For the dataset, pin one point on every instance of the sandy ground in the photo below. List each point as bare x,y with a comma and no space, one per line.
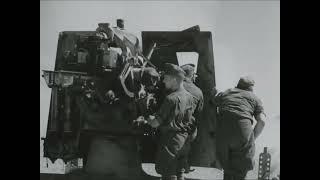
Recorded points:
269,138
199,173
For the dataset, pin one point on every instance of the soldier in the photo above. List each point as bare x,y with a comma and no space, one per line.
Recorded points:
235,135
174,120
189,85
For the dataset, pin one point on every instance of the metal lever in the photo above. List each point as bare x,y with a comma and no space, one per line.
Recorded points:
147,59
123,76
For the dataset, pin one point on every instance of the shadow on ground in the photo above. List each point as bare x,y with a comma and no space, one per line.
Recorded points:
148,173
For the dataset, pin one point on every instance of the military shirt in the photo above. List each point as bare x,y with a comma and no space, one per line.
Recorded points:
244,103
197,95
175,113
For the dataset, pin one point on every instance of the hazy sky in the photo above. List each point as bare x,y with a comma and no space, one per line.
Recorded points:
246,36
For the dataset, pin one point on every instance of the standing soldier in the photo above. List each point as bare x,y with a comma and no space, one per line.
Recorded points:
196,92
235,135
175,122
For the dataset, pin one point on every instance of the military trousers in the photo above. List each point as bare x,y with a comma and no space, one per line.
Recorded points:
172,153
235,144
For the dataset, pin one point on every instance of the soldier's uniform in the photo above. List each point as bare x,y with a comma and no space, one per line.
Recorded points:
197,101
176,121
193,90
235,136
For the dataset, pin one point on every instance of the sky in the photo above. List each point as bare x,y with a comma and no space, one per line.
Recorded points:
246,36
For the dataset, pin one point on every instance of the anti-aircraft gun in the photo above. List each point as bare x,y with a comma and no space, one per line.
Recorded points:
99,86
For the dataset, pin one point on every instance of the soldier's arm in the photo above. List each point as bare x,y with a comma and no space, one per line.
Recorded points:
215,97
200,107
163,113
260,117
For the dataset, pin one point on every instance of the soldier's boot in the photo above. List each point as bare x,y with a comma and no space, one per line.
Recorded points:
189,170
233,177
180,176
173,177
239,177
227,176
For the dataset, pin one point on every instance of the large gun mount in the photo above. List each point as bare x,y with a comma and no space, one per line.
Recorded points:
102,81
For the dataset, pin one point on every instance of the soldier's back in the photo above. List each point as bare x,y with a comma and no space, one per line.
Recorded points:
193,89
183,109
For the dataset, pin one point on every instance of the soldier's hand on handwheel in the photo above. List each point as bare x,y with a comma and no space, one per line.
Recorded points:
139,120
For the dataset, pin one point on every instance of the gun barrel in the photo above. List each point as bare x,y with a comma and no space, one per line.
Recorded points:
149,54
151,50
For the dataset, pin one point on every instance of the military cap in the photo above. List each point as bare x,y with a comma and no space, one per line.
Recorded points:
188,69
174,70
246,82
